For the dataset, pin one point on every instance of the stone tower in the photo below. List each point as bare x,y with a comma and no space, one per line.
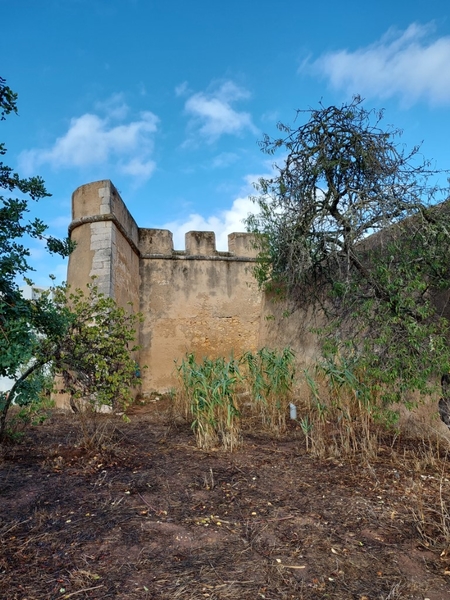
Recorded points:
193,300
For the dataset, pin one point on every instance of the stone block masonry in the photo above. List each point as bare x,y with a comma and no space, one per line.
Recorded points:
193,300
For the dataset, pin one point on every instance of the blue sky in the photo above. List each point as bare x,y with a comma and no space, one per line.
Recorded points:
168,100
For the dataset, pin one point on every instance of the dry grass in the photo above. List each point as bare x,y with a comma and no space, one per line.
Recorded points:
155,517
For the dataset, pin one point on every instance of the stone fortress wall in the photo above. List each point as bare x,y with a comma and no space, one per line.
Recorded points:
196,300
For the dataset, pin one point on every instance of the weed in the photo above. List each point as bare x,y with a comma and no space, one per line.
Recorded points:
34,413
269,378
431,512
210,390
344,414
96,430
208,393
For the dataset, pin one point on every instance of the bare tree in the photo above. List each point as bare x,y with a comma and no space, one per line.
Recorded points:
350,219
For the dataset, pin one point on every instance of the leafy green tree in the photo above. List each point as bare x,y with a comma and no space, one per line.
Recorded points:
88,342
85,338
14,225
23,323
95,356
350,223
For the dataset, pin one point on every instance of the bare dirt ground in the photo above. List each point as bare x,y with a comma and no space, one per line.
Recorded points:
153,517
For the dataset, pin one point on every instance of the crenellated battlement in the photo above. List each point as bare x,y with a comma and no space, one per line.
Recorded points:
100,202
196,299
193,300
198,244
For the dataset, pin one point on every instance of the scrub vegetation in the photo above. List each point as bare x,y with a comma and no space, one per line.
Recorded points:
339,501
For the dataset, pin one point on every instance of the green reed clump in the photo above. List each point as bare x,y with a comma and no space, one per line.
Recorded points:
210,389
269,379
345,411
208,393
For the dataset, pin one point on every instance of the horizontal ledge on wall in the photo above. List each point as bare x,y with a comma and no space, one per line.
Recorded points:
107,217
179,256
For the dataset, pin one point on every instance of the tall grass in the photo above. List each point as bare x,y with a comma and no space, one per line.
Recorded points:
269,379
340,411
210,391
429,505
345,415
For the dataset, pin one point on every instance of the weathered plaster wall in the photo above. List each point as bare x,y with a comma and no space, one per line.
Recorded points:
199,301
107,243
195,300
285,324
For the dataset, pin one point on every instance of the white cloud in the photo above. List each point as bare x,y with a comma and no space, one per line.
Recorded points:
271,116
408,64
92,140
182,89
213,116
224,159
45,268
138,168
226,222
223,223
142,89
38,251
115,107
